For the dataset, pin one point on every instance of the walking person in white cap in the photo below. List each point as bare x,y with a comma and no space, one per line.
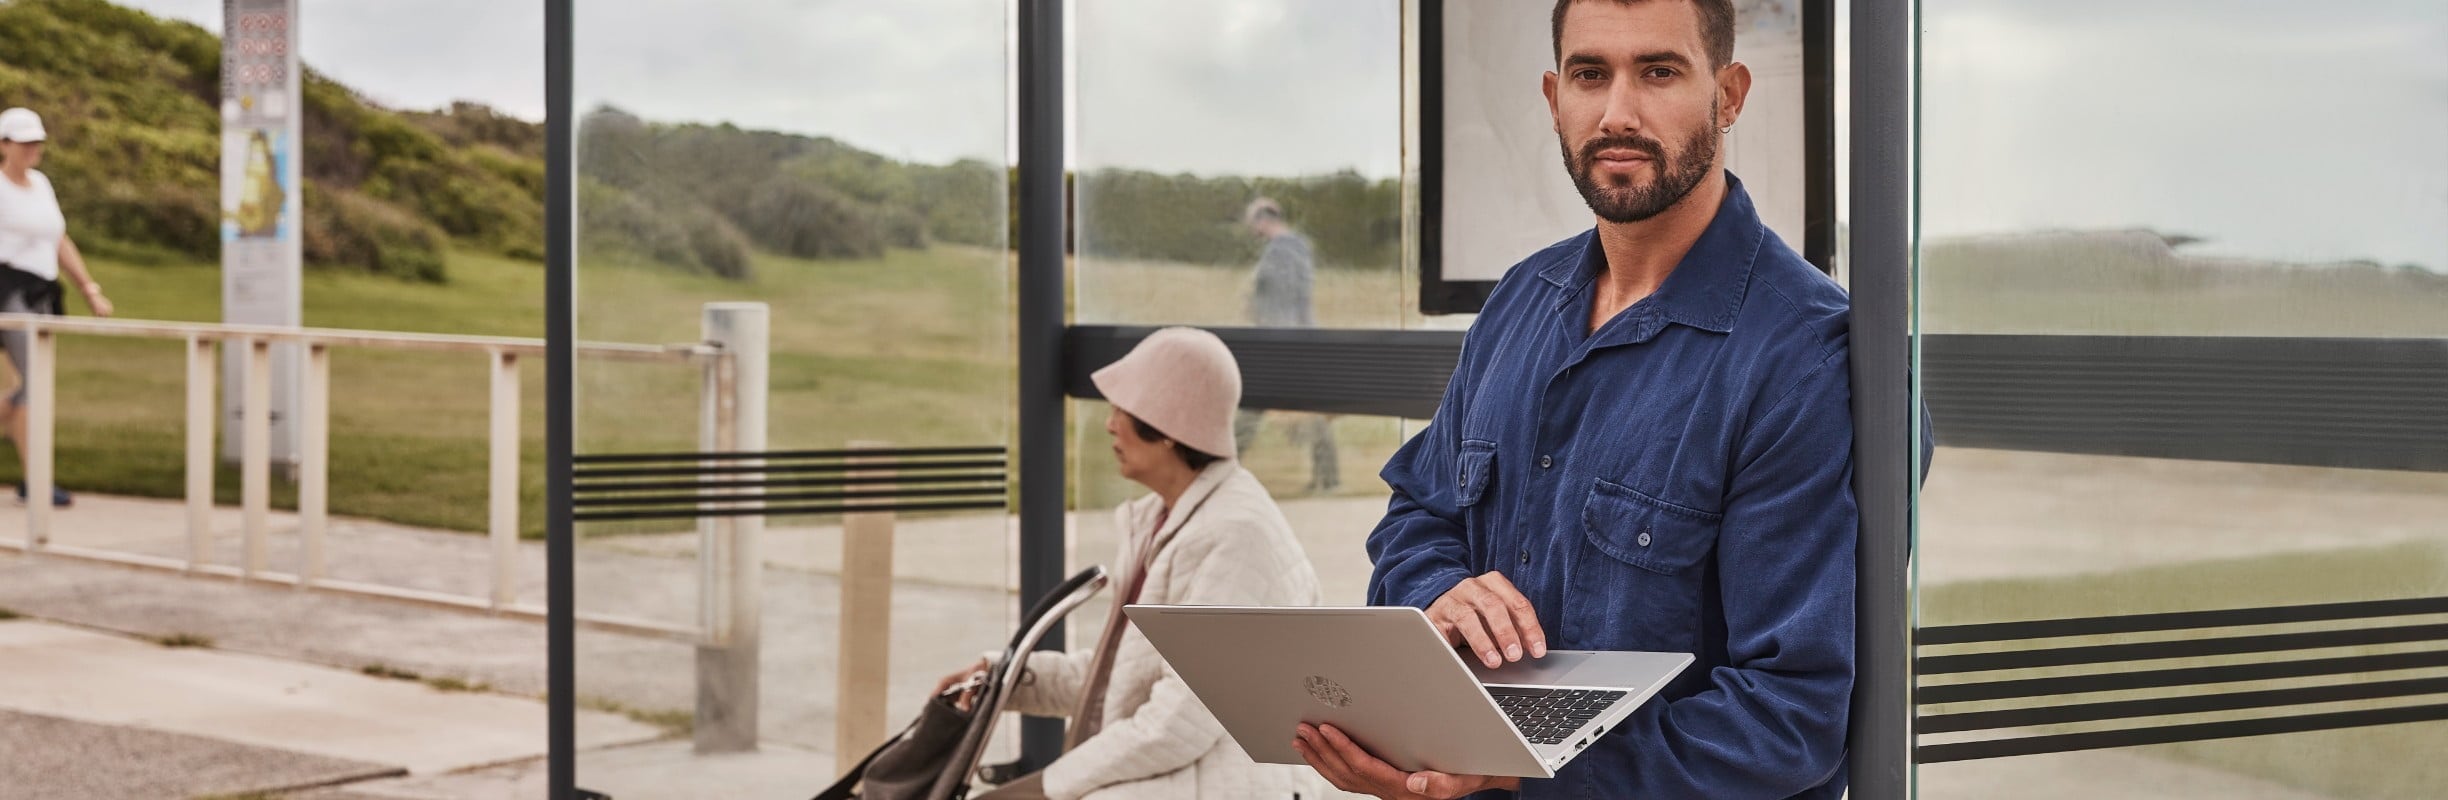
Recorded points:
34,250
1209,534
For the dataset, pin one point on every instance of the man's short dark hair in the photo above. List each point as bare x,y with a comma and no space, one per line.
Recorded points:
1197,460
1716,27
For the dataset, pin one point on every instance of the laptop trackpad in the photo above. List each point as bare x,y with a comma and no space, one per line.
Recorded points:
1549,671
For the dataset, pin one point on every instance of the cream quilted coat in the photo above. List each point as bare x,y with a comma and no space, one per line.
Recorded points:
1158,741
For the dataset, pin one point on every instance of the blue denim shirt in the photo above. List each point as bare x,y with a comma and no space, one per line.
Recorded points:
1680,480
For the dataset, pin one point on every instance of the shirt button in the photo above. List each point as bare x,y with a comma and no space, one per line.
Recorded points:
1644,539
1525,556
1546,462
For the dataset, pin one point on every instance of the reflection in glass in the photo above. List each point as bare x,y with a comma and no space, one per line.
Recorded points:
1238,164
845,165
2280,176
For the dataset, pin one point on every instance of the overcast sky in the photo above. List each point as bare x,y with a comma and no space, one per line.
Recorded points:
2273,128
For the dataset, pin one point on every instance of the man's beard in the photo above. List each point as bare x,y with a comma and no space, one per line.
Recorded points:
1635,203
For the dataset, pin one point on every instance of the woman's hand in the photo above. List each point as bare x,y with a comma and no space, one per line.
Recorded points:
963,701
94,300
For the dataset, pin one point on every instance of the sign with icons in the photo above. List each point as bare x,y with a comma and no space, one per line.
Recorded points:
262,199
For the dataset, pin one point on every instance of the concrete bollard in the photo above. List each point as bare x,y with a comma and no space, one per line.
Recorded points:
731,588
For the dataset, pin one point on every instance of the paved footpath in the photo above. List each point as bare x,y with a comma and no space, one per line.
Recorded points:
279,699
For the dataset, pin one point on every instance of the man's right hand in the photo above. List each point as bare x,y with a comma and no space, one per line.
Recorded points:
1491,617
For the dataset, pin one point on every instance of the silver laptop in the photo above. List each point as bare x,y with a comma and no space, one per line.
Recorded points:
1387,679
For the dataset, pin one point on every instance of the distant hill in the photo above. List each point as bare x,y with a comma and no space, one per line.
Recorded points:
130,101
2142,282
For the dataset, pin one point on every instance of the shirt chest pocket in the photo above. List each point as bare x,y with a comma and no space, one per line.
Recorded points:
1475,469
1638,579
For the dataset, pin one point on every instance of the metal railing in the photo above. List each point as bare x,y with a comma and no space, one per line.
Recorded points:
314,451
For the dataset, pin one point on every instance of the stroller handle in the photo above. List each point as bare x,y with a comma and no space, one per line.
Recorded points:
1044,609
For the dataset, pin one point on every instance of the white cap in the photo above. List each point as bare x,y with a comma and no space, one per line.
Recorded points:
21,125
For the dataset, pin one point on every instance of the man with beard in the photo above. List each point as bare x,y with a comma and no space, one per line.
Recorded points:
1646,445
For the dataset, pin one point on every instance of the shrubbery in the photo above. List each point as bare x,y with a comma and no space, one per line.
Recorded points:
131,102
347,229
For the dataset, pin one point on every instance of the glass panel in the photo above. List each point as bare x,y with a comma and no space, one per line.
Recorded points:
150,653
1189,116
2123,179
844,166
1188,113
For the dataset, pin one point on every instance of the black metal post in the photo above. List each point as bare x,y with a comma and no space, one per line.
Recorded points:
560,338
1881,265
1042,406
1819,134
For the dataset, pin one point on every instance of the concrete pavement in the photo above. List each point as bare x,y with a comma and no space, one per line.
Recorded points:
50,758
1987,514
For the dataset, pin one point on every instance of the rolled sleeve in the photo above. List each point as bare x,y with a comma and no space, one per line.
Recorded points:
1421,548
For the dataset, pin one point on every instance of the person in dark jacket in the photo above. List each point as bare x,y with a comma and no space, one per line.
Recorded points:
1647,444
1281,296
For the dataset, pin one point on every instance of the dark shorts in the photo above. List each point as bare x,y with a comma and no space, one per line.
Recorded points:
23,292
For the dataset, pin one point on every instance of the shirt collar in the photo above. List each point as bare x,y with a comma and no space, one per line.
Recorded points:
1706,289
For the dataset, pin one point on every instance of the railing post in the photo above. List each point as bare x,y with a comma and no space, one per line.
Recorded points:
504,471
200,421
865,654
255,456
314,463
42,395
733,420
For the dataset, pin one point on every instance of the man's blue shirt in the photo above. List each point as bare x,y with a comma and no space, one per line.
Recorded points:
1680,480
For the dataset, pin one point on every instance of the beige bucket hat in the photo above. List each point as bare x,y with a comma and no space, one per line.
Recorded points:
1181,381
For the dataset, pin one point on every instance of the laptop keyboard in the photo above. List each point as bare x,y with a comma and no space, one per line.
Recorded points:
1549,716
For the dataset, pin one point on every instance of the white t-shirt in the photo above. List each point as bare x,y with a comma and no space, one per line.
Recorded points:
31,225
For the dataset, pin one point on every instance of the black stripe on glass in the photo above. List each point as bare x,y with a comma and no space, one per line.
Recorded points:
2182,676
2166,734
2179,620
735,455
2181,648
778,483
609,515
2190,704
787,497
784,469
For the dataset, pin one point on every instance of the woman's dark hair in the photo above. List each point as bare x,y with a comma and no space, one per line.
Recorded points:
1148,433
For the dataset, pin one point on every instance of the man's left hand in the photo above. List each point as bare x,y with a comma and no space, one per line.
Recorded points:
1352,769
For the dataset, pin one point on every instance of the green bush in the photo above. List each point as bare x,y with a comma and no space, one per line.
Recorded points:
680,234
796,195
348,229
964,202
1353,221
801,218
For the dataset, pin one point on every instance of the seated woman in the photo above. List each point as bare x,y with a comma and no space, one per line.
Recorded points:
1209,534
